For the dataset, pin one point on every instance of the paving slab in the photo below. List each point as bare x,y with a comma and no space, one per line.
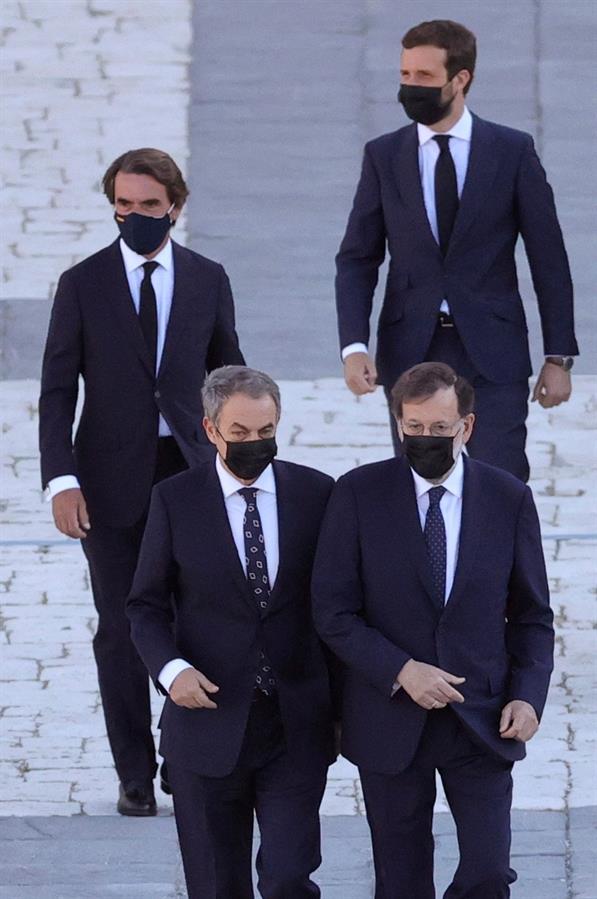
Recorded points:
89,858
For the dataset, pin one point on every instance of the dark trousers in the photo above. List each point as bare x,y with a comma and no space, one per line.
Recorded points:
499,436
478,788
214,818
123,681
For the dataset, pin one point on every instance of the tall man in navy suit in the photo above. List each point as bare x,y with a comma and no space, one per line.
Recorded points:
449,196
429,584
247,726
141,322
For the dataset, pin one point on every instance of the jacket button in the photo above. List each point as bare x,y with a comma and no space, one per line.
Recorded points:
157,394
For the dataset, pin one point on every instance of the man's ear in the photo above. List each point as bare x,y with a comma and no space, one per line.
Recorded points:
210,430
469,424
462,78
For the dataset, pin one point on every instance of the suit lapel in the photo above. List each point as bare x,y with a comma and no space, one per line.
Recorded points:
185,288
212,501
405,524
473,513
481,171
115,287
288,506
408,177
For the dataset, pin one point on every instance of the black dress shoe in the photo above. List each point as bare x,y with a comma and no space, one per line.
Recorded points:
164,782
137,802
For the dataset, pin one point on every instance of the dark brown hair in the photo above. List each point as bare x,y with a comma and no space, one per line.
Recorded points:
459,43
421,381
148,161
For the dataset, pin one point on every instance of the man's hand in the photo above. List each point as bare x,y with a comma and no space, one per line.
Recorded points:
554,386
70,513
360,373
519,721
190,688
428,686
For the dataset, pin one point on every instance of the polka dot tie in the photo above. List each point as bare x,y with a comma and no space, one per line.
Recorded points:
258,578
435,538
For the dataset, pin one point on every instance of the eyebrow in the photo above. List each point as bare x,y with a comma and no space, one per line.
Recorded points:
416,421
143,202
237,424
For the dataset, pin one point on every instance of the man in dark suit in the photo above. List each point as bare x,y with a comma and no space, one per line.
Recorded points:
448,196
141,322
247,726
429,584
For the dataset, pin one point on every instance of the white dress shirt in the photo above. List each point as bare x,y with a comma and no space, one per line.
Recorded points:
428,154
451,509
162,280
235,509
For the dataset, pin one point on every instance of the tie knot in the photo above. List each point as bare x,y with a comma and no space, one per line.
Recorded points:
435,495
443,141
249,494
149,268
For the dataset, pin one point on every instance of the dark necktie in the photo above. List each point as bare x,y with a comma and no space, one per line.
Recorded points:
148,313
257,577
446,191
435,538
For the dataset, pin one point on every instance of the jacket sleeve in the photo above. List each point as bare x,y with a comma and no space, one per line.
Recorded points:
338,598
548,261
62,364
223,347
529,626
361,253
149,606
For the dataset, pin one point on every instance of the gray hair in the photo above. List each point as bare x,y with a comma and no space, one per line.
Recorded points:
223,382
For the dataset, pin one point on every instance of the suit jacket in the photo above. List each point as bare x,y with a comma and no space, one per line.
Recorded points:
372,605
188,551
505,195
95,332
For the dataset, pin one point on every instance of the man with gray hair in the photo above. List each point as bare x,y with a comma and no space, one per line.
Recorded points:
247,723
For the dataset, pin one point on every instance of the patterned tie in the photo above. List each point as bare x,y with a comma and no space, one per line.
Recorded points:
258,578
435,538
446,191
148,313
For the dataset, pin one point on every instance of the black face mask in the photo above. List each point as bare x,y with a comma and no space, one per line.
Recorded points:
247,459
143,233
430,457
424,104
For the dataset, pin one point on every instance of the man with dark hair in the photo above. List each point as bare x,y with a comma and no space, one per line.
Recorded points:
449,196
247,725
141,322
429,584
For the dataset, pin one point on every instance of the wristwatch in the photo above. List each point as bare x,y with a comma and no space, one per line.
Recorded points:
565,362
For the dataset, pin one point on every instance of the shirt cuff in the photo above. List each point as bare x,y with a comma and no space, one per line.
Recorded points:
170,672
353,348
57,485
396,686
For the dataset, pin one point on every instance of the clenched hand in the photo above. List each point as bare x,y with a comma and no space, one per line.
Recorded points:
360,373
519,721
190,689
428,686
554,386
70,513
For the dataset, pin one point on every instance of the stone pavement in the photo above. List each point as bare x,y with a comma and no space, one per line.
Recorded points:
266,104
54,759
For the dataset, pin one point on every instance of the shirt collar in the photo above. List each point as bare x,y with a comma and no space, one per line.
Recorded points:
266,480
453,484
134,260
462,129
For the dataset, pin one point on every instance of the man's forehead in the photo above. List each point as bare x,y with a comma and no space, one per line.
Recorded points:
442,402
424,53
248,411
